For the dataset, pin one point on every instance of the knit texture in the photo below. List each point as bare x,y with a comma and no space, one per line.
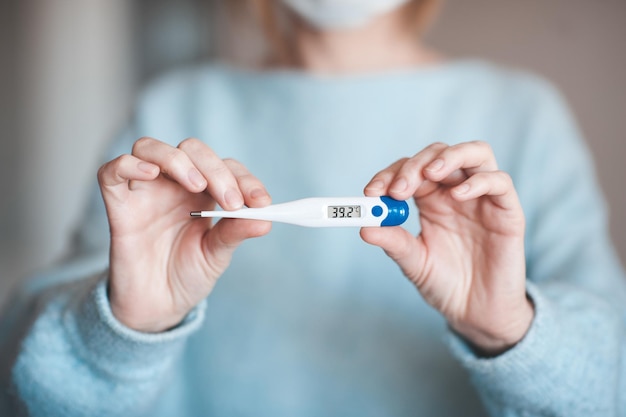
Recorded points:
312,322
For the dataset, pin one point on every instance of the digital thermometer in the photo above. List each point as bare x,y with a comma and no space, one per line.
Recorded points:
325,212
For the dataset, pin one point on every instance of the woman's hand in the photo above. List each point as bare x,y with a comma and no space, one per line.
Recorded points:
162,261
468,261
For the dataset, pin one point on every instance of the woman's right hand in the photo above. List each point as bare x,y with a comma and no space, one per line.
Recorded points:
162,261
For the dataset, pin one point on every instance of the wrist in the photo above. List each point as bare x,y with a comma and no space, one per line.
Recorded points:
135,315
493,340
143,324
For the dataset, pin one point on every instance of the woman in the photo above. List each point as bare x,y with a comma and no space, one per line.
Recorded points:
508,249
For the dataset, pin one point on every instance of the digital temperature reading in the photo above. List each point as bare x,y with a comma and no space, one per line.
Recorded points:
344,212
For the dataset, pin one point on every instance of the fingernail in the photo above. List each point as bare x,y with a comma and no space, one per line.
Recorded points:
233,199
400,185
146,167
196,178
375,185
436,165
258,193
462,189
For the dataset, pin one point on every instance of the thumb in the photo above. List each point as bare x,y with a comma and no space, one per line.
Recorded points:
401,246
220,242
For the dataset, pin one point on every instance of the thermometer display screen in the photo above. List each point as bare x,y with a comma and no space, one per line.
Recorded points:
344,212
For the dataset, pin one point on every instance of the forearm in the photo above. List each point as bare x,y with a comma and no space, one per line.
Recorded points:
570,363
77,359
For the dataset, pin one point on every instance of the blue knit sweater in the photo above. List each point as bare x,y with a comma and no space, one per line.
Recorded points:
310,322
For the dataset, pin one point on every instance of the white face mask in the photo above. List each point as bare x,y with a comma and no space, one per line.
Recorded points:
341,14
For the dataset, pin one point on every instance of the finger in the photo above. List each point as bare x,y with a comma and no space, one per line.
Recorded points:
497,184
410,177
115,175
171,161
399,245
221,182
469,157
252,189
455,178
379,183
404,177
220,244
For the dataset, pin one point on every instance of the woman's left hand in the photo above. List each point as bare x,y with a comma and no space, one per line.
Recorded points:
468,261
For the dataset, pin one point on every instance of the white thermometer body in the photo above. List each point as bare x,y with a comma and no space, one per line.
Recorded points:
325,212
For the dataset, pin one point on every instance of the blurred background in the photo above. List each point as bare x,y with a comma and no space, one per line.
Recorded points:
69,71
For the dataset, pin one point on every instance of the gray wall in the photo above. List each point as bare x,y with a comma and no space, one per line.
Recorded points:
69,87
8,114
69,71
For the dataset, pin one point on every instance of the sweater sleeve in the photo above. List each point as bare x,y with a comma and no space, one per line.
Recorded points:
572,361
76,353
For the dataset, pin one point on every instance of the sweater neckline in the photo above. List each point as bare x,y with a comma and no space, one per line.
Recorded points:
426,73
